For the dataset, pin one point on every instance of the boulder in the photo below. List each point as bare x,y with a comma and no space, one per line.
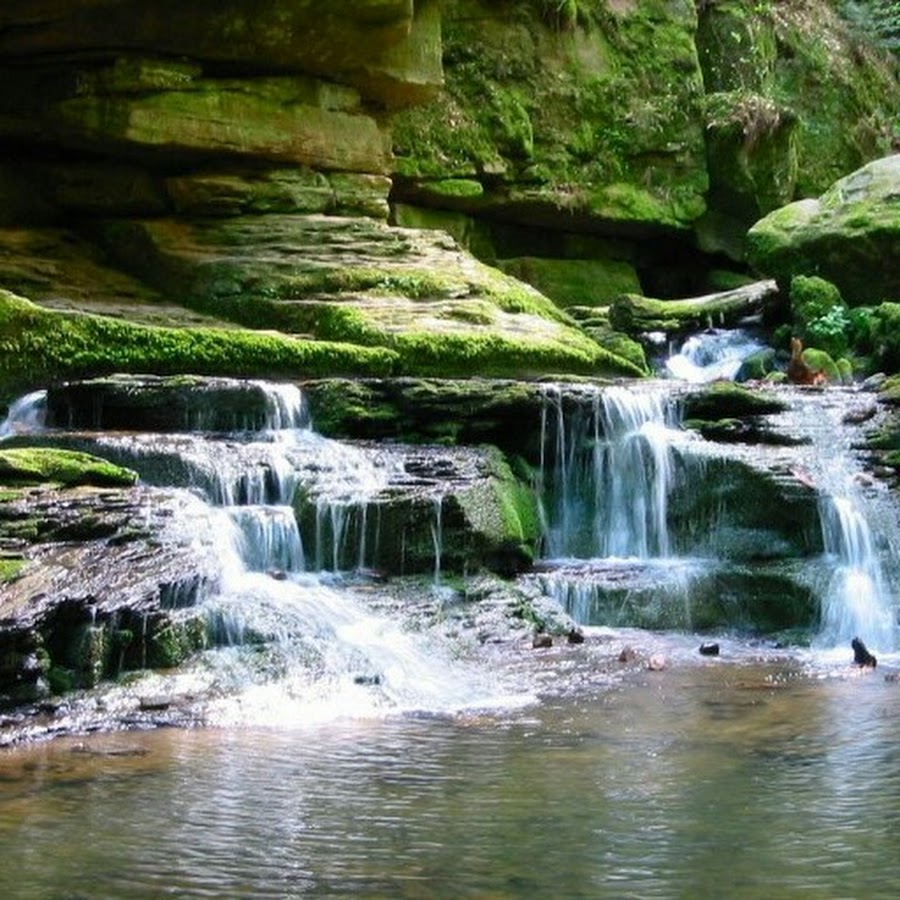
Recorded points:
849,236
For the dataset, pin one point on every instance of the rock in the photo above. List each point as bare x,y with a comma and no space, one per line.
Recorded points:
861,655
367,680
723,400
541,641
709,649
860,414
657,662
154,704
637,315
575,636
627,655
849,236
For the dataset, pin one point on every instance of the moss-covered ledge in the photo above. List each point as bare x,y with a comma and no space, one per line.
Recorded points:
66,468
40,346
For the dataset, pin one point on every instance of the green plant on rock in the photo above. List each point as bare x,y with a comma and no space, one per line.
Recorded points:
820,315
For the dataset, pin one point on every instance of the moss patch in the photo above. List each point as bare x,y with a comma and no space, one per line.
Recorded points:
38,346
40,465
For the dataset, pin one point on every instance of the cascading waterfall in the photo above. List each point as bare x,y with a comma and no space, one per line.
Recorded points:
855,602
437,536
296,646
607,468
712,355
25,415
606,471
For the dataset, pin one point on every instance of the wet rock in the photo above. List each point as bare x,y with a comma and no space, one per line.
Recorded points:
709,649
657,663
541,641
860,414
367,680
861,655
154,704
628,654
575,636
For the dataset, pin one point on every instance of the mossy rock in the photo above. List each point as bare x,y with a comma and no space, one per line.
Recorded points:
575,282
39,346
67,468
850,236
563,122
722,401
462,411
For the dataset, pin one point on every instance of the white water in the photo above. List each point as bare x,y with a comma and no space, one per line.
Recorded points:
298,647
712,355
26,415
856,602
606,472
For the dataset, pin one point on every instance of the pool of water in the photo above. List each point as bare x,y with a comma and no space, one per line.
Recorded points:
755,778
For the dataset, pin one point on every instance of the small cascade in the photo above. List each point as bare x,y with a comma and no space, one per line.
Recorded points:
606,471
713,355
270,538
608,465
26,415
437,536
855,601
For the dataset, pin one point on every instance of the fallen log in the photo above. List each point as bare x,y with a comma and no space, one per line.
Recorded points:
635,314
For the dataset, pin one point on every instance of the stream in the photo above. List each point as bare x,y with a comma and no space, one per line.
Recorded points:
329,748
752,780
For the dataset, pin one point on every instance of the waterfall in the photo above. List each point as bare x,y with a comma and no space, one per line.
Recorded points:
437,537
607,469
855,602
717,353
25,415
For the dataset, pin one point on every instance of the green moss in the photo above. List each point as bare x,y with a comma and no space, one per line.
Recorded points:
449,188
41,465
38,346
172,642
820,361
554,113
723,400
495,356
820,314
11,568
575,282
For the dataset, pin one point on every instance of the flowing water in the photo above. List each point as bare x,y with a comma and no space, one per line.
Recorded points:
717,353
750,781
344,755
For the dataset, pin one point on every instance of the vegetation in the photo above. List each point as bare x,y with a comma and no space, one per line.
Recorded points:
62,467
879,19
39,346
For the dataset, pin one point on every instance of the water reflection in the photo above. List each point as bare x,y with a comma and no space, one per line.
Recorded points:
705,780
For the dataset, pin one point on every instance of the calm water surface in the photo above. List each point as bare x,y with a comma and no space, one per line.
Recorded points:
706,780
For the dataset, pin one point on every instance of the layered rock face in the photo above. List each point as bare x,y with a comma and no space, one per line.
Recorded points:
230,165
669,126
215,165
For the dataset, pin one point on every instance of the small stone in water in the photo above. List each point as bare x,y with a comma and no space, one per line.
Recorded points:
628,654
540,641
367,679
709,649
575,636
656,663
149,704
